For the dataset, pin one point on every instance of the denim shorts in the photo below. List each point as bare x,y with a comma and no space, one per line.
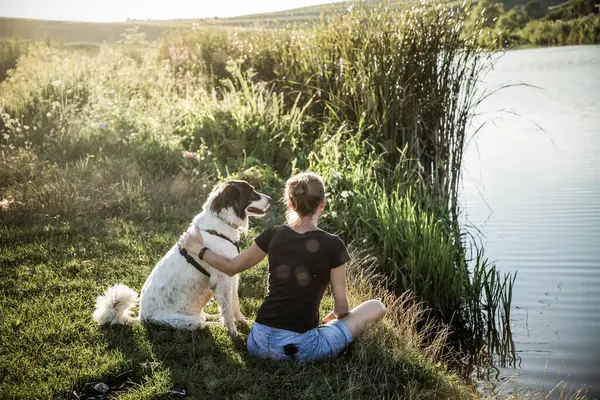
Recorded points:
323,342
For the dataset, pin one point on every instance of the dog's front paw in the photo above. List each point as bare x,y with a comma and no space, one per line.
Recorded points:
240,319
233,333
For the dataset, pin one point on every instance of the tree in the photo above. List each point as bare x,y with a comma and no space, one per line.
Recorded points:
489,12
535,10
511,21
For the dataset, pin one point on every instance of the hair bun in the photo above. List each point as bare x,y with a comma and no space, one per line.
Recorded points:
300,188
303,193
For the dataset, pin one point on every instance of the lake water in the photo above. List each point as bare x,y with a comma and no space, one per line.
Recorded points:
532,186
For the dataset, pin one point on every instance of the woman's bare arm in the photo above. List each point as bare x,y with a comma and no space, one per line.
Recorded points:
231,266
192,243
341,307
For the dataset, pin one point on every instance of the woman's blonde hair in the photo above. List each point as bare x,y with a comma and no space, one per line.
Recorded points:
304,192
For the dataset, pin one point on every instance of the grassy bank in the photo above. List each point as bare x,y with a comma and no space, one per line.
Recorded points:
108,154
76,228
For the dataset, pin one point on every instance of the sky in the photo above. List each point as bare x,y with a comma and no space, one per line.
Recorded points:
120,10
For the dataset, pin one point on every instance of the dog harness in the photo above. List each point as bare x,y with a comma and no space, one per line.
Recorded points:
196,264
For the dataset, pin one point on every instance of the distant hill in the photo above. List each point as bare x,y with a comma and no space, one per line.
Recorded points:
312,12
93,32
34,29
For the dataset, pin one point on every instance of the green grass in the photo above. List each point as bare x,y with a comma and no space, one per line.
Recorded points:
67,239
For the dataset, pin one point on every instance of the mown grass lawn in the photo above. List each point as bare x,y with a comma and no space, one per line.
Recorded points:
54,264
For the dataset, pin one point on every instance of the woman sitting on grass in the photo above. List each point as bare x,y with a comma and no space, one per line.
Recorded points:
303,259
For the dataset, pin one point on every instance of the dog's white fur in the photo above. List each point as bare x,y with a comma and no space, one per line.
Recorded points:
175,292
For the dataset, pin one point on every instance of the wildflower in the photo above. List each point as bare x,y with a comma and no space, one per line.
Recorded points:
188,154
4,203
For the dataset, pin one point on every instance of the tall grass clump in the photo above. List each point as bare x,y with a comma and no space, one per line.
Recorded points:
395,93
408,78
419,246
246,118
10,51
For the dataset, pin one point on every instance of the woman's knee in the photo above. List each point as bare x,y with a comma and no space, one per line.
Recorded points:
377,307
382,307
363,316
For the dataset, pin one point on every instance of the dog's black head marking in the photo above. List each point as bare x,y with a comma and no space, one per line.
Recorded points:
237,195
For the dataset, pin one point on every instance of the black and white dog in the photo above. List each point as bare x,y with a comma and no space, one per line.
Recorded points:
176,292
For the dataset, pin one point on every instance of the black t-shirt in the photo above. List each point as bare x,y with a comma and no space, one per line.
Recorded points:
299,268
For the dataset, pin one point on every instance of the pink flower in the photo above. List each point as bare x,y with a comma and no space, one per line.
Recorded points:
188,154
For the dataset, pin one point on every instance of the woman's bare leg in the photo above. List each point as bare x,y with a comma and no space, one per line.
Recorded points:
360,318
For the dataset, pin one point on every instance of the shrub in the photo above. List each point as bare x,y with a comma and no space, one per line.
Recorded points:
10,51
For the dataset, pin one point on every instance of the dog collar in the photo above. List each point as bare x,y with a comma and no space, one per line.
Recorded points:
231,224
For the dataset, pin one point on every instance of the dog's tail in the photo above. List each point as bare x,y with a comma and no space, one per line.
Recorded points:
114,306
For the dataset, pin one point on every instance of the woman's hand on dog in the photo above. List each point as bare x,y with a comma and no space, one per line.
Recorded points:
192,241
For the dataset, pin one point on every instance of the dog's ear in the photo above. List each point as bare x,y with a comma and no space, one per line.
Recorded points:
224,194
228,195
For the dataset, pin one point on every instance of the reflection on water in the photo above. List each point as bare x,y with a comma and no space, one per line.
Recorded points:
532,187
